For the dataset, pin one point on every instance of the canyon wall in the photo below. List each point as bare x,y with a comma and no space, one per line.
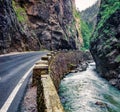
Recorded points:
105,42
90,15
12,35
38,24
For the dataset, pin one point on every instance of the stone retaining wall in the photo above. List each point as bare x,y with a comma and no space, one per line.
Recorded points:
63,63
47,75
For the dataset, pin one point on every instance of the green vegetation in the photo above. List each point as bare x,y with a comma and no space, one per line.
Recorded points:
117,59
84,29
87,21
77,21
77,27
20,12
86,34
71,28
108,7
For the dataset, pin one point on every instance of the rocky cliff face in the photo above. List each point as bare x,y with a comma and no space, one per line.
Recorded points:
88,23
90,14
12,36
38,24
105,43
53,23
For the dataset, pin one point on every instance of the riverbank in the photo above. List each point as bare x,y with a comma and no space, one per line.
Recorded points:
62,63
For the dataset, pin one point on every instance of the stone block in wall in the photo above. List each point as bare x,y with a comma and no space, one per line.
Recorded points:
39,69
41,62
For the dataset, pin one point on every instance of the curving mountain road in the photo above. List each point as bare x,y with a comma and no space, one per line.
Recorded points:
15,71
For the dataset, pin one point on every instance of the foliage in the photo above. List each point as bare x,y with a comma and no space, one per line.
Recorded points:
108,7
86,33
87,23
84,30
117,58
76,15
20,12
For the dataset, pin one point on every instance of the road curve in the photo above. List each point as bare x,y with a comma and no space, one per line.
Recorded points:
12,70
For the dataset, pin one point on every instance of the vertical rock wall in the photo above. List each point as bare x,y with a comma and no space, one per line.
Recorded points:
12,36
38,24
105,43
53,23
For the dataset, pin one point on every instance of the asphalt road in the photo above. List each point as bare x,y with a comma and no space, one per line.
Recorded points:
12,69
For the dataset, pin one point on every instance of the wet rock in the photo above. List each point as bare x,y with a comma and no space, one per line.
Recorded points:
72,66
88,56
74,71
82,66
118,84
101,104
113,82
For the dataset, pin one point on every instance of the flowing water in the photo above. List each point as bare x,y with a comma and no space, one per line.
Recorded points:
87,92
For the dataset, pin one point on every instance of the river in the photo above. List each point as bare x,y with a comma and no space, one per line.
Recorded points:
87,92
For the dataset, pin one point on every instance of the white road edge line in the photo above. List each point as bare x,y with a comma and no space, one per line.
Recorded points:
8,102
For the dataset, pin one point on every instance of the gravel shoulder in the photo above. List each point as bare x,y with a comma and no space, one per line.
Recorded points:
29,101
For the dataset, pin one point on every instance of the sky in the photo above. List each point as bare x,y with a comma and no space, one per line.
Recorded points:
83,4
